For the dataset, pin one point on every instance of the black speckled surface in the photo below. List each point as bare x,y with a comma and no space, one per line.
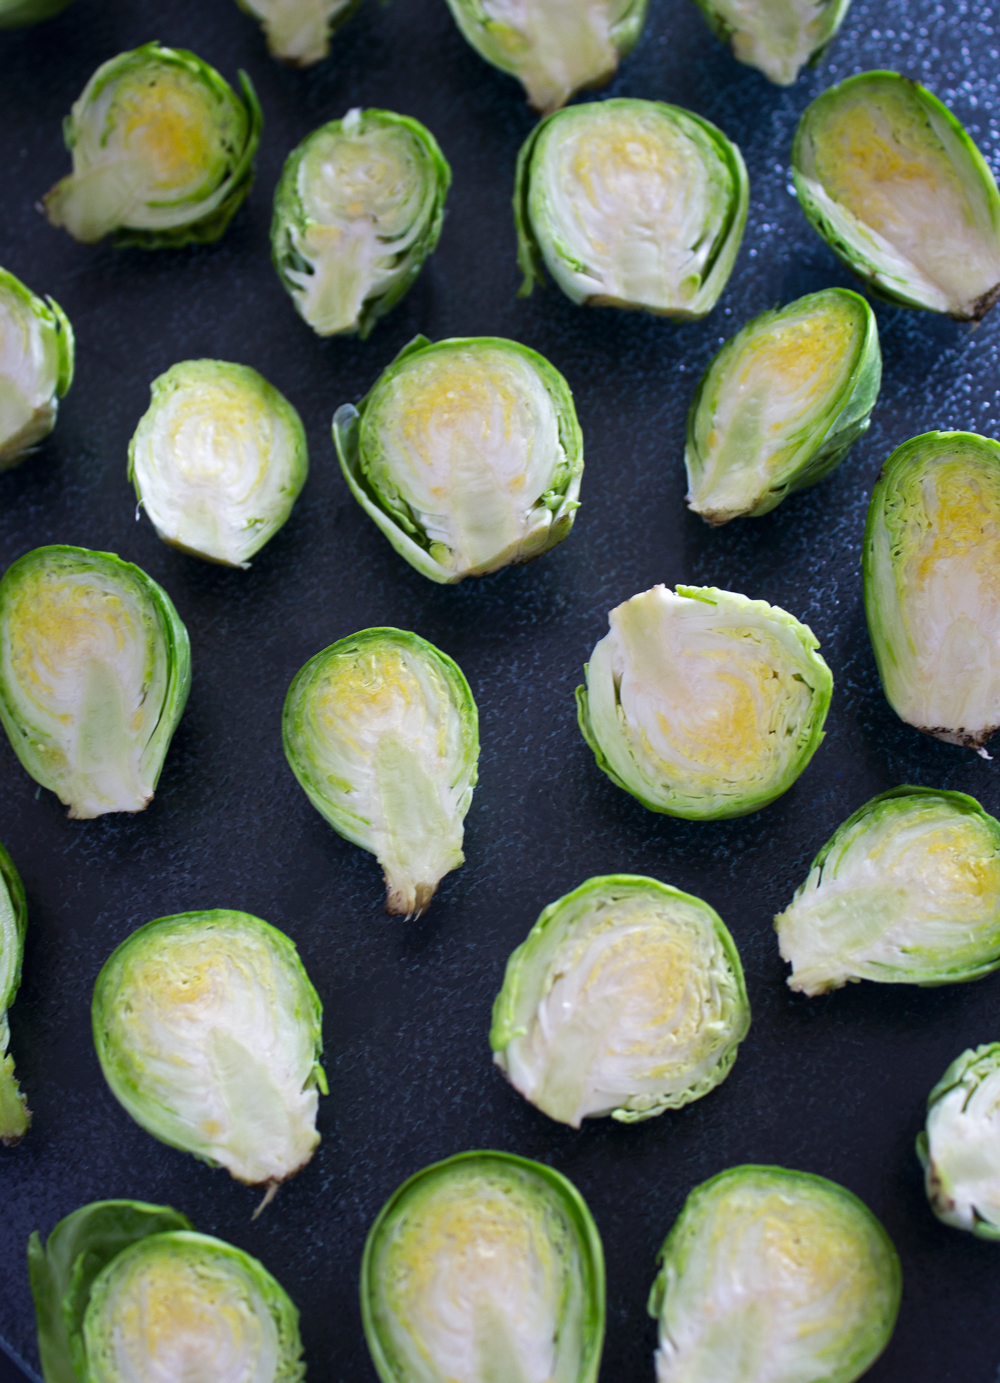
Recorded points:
834,1085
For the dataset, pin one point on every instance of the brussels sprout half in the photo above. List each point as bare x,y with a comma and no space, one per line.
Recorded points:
298,32
773,1275
209,1034
218,460
932,595
162,151
467,454
897,189
778,37
627,998
18,14
14,1113
906,891
960,1147
704,704
781,404
480,1268
95,669
631,204
382,733
357,211
36,368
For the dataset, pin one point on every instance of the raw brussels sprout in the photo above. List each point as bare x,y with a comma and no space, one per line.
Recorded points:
778,37
704,704
162,151
906,891
209,1034
36,368
773,1276
218,460
14,1113
466,453
357,211
553,49
18,14
95,669
631,204
298,31
897,189
126,1291
482,1268
960,1147
781,404
382,732
930,558
627,998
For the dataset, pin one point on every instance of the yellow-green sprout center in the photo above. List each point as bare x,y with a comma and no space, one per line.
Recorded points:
554,46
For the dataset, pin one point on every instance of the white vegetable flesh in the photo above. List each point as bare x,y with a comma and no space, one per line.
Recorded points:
298,31
555,46
29,375
778,37
963,1145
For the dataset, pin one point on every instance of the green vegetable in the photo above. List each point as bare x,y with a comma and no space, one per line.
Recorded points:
485,1268
382,733
36,367
218,460
773,1275
466,453
627,998
95,669
897,189
960,1147
18,14
14,1113
631,204
781,404
162,151
906,891
779,37
357,211
704,704
298,32
126,1291
209,1034
931,559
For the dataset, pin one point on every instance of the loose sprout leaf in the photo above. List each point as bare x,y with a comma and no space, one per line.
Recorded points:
14,1113
298,31
627,998
18,14
36,368
779,37
960,1146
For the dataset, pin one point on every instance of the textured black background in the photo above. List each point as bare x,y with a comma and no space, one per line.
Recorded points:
834,1085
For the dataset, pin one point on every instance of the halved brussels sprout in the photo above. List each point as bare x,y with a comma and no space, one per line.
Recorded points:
631,204
704,704
930,560
125,1291
466,453
162,151
906,891
209,1034
14,1113
36,368
218,460
777,1275
357,211
781,404
897,189
482,1268
627,998
382,733
95,669
18,14
298,31
960,1147
778,37
554,49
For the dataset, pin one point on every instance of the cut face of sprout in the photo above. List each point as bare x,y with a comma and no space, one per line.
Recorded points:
15,1116
779,37
298,31
36,368
960,1147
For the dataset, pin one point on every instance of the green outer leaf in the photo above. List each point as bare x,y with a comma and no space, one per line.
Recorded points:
346,435
968,1070
290,215
18,14
335,22
15,1116
57,334
577,1213
63,1272
834,13
829,440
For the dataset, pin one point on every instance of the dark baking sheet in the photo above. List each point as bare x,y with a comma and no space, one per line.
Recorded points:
833,1085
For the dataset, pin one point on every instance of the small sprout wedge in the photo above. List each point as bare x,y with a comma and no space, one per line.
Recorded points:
208,1032
467,454
773,1276
382,733
125,1290
358,210
702,703
36,368
632,204
627,998
218,460
894,185
18,14
781,404
778,37
15,1117
95,669
906,891
486,1261
932,594
298,32
162,149
959,1149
